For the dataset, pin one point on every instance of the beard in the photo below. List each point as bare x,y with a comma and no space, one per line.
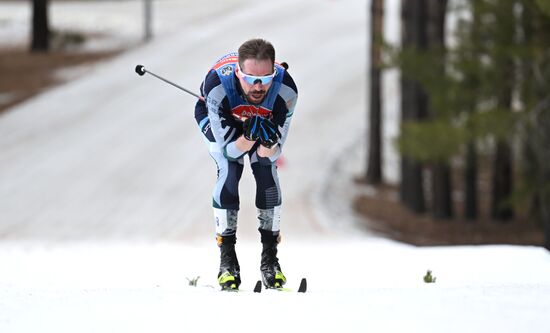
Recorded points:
256,96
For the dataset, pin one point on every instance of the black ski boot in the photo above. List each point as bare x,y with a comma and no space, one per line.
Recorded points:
229,276
272,276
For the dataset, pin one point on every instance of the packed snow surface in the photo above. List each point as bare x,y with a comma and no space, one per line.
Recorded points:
105,191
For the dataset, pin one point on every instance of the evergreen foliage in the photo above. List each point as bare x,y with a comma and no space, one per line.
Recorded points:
493,94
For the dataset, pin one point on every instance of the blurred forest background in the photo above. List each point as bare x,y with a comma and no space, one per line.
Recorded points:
474,138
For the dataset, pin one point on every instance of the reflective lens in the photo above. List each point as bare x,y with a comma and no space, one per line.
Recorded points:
252,80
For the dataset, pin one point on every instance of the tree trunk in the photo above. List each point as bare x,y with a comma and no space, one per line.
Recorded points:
539,31
437,10
505,83
411,191
470,184
540,144
501,209
441,172
546,221
147,20
40,27
374,166
544,191
413,102
442,201
471,207
502,183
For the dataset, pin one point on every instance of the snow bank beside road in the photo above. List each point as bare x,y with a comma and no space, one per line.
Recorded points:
354,286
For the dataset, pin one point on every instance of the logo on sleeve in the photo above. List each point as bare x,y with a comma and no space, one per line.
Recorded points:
227,70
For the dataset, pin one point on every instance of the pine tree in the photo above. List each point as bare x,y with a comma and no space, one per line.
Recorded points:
441,172
470,59
414,102
535,84
374,165
40,27
503,33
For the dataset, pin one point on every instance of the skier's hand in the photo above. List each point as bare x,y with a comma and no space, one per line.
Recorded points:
269,133
251,128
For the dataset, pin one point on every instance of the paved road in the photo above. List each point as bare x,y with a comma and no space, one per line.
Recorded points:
115,156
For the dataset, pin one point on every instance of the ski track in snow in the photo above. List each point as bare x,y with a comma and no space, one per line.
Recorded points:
105,189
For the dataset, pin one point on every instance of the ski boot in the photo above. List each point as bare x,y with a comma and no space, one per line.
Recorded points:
229,276
272,276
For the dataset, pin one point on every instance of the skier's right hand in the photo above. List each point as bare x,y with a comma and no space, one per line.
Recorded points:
251,128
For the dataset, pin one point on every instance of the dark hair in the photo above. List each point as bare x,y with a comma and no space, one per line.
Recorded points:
258,49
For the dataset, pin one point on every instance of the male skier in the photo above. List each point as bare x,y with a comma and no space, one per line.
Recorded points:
249,104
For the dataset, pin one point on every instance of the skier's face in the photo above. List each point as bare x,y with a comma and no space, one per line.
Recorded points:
256,77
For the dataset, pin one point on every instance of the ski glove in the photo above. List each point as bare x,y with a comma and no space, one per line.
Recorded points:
269,133
251,128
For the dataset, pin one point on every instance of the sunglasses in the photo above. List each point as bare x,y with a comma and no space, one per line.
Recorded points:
252,79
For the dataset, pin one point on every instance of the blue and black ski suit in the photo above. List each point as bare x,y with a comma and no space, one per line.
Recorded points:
220,118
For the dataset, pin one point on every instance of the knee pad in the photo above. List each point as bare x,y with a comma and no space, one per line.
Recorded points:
268,193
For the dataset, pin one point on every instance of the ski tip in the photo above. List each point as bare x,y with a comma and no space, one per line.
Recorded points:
258,287
303,286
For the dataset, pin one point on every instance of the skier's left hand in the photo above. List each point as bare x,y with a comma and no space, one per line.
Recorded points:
269,133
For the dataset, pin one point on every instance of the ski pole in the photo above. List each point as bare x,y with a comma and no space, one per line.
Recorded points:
140,70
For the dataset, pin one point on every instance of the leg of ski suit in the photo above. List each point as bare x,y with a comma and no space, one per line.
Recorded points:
226,206
226,192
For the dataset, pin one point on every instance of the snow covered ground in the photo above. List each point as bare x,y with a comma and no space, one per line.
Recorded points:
105,195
